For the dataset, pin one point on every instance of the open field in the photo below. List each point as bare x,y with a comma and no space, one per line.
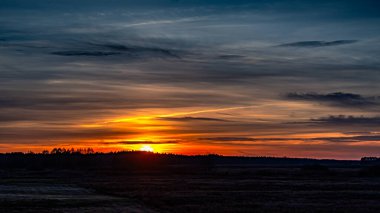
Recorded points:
187,188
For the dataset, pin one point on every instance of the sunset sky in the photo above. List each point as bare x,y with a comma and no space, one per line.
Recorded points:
244,77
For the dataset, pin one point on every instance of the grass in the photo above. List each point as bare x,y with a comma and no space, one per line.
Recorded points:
184,188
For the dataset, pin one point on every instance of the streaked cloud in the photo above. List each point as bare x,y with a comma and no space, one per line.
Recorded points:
347,120
84,53
97,72
187,118
350,139
140,142
318,43
337,98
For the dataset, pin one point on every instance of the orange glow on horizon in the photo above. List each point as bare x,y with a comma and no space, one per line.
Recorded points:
212,132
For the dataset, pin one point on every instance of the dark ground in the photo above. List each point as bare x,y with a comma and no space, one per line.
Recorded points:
216,187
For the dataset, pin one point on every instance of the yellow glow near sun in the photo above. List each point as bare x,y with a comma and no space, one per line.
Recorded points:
146,148
145,119
149,129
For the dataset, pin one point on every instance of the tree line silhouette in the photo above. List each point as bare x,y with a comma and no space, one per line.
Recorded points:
88,159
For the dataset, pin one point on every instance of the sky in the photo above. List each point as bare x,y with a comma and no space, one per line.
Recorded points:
248,78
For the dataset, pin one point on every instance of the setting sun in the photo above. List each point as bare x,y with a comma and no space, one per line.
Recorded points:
146,148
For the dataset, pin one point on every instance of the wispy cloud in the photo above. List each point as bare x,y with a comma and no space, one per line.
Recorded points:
347,120
306,44
161,22
84,53
354,139
140,142
246,140
338,99
172,67
111,49
184,119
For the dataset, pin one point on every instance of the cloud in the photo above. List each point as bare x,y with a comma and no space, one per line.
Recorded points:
337,99
185,119
140,142
230,57
350,139
62,67
347,120
111,49
318,43
244,139
60,133
140,50
354,139
84,53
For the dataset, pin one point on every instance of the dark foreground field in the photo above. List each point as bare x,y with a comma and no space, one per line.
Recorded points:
203,184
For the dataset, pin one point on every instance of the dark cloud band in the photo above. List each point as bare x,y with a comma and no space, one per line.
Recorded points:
306,44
